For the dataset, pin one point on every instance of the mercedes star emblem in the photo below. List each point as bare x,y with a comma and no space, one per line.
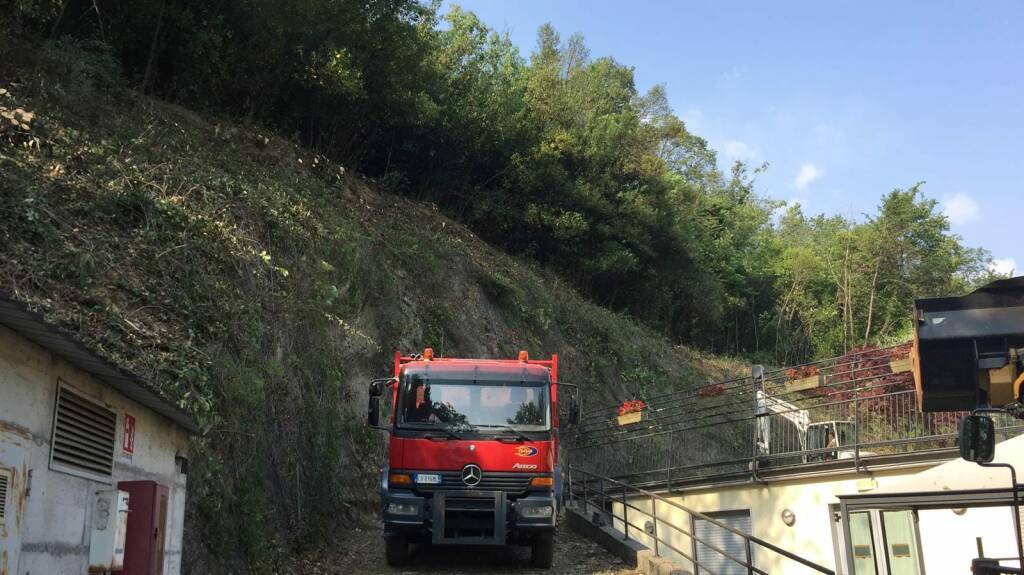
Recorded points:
471,475
472,447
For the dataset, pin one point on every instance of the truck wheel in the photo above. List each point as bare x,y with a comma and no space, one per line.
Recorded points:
396,549
543,550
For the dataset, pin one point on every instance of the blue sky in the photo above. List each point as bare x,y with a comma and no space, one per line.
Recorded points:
845,100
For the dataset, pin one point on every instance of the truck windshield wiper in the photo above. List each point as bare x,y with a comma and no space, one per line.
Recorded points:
520,436
449,433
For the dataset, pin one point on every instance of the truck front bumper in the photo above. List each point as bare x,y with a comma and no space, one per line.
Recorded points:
469,517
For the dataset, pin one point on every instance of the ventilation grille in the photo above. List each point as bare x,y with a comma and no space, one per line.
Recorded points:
83,435
5,477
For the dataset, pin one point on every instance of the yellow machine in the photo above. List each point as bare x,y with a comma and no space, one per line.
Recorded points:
968,350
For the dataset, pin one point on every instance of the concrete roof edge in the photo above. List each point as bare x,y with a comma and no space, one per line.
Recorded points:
17,316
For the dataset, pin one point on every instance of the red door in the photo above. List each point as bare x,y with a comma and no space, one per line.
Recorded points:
147,524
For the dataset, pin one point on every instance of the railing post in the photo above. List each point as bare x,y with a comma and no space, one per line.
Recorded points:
654,522
569,481
625,514
856,432
757,383
750,555
586,497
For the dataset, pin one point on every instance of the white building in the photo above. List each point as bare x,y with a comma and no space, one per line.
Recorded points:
73,425
830,469
905,520
943,515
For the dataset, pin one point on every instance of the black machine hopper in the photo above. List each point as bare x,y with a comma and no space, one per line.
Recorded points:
959,340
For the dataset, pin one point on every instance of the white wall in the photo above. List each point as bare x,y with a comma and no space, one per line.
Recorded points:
947,538
53,519
809,499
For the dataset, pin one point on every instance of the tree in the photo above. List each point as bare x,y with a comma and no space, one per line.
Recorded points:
556,157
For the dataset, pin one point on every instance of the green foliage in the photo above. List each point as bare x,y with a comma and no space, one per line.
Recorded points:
847,283
257,286
556,157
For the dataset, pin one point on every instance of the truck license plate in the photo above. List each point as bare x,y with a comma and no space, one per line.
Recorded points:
428,478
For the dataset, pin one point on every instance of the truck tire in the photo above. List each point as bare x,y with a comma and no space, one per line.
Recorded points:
543,551
396,549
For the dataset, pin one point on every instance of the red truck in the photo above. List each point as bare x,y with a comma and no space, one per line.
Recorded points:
472,453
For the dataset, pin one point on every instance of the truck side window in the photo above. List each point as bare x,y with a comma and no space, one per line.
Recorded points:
421,408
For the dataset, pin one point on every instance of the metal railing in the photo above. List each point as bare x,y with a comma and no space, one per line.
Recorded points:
835,413
589,492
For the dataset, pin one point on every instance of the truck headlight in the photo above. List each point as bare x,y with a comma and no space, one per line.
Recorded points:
402,509
535,511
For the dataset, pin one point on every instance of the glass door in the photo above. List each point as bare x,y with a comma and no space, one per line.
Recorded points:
862,538
882,542
901,550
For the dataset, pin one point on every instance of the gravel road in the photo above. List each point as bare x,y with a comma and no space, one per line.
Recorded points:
574,555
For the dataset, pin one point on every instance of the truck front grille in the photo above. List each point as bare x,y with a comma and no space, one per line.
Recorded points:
466,517
511,483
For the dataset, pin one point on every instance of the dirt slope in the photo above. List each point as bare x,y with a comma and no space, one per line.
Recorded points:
262,286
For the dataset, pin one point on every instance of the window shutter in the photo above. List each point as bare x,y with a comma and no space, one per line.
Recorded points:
5,479
734,545
84,435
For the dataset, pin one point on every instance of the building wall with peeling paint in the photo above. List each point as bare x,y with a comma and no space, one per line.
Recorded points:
47,530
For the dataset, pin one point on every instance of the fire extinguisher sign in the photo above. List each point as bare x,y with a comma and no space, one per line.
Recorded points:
128,443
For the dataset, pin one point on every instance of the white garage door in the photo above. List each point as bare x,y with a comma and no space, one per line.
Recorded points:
725,540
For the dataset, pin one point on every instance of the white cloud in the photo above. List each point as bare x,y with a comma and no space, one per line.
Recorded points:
808,173
961,209
737,150
1003,266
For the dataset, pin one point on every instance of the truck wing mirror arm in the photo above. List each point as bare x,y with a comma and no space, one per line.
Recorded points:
376,390
377,386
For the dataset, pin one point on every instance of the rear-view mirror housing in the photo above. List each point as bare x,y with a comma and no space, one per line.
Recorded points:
574,411
373,411
977,438
377,388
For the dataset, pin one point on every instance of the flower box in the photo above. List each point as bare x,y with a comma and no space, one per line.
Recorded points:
630,411
802,383
805,377
901,365
630,418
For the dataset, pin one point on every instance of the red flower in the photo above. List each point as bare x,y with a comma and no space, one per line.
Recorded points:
632,406
802,372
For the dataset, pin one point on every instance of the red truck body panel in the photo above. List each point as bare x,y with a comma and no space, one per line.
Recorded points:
453,455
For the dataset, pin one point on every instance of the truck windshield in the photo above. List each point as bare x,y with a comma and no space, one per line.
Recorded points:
464,405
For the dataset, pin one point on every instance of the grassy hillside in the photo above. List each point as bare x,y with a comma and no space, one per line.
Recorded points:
262,286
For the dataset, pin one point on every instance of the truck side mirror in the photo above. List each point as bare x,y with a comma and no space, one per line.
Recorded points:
574,410
373,411
376,388
373,408
977,438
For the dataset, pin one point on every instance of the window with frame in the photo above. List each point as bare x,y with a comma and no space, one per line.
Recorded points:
84,436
